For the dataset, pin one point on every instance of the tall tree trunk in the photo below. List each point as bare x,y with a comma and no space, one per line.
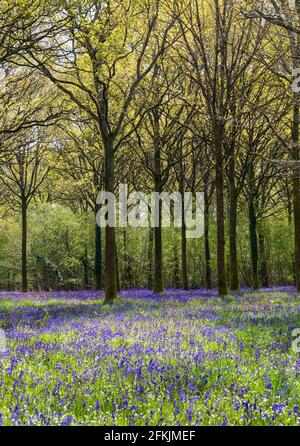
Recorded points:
85,268
218,140
158,262
253,242
150,260
118,282
176,268
182,188
206,234
98,254
127,264
234,276
264,270
158,254
296,190
233,269
296,157
24,246
184,270
111,291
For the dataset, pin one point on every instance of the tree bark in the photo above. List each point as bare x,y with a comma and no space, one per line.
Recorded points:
24,246
296,191
184,270
111,291
158,266
150,260
206,235
85,268
158,254
233,269
296,158
234,275
218,139
127,265
176,267
118,282
182,187
264,270
253,242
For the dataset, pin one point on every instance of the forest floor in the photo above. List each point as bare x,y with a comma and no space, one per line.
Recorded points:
183,358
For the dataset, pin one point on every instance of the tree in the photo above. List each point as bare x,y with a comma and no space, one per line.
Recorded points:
219,58
161,141
23,174
286,15
81,63
82,163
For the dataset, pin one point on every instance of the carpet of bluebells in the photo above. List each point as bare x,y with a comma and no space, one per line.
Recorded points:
180,358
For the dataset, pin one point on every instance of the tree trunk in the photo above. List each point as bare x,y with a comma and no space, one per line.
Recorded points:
253,242
127,265
264,270
233,269
234,276
150,260
85,268
182,188
296,192
24,246
176,267
98,254
206,235
118,282
184,271
158,255
218,139
296,158
158,263
111,291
